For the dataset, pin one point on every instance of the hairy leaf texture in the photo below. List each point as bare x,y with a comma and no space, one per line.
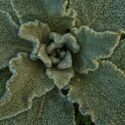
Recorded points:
28,81
118,56
101,94
100,15
61,77
50,109
5,5
53,46
4,76
93,46
10,44
54,12
35,32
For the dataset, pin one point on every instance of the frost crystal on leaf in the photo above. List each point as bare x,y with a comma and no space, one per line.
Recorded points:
60,77
35,32
55,13
10,43
28,81
53,49
5,5
50,109
47,48
101,94
93,46
118,56
100,15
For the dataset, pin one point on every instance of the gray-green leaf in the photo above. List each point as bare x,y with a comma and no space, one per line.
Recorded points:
10,44
4,76
54,13
118,57
61,77
28,81
5,5
101,94
100,15
50,109
93,46
35,32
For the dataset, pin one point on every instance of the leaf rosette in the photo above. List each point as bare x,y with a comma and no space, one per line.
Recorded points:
46,52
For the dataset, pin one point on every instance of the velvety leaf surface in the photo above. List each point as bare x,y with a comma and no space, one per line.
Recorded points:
93,46
50,109
54,12
61,77
101,94
118,56
4,76
28,81
67,39
5,5
35,32
101,15
10,44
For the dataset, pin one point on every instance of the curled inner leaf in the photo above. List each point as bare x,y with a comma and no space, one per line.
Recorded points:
35,32
60,77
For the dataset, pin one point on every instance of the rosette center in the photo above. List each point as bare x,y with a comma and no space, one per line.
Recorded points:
58,52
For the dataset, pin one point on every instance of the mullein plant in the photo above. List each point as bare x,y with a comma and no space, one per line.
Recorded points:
51,46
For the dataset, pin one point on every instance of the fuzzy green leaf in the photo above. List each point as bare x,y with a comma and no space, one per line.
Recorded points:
118,57
67,39
10,44
4,76
100,15
61,77
35,32
28,81
93,46
50,109
5,5
54,13
101,94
